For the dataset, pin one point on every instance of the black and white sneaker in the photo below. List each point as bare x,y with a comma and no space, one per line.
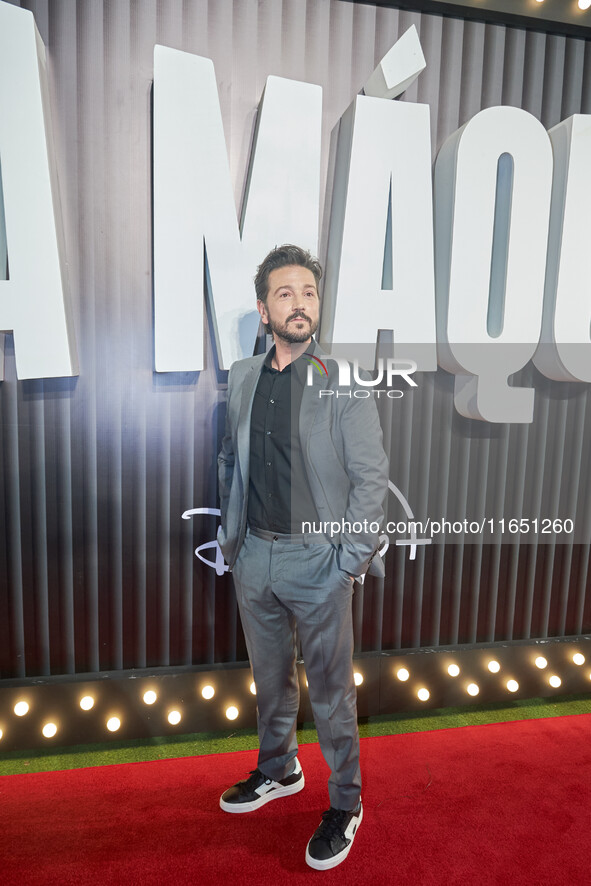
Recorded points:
332,840
257,790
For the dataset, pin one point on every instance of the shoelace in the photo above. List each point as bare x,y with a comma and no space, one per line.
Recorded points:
332,823
253,781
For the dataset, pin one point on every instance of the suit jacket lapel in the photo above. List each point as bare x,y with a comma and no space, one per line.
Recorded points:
243,432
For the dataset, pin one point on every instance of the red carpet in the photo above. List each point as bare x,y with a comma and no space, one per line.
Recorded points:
501,804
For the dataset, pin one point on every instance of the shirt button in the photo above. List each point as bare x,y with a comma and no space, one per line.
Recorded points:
268,433
271,401
268,464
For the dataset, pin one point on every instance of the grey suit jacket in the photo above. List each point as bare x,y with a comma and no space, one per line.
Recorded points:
345,462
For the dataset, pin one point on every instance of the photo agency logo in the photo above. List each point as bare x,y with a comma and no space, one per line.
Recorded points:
355,382
315,364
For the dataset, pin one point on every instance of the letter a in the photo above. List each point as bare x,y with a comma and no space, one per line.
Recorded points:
32,282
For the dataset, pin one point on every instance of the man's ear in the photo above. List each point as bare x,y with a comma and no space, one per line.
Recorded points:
262,309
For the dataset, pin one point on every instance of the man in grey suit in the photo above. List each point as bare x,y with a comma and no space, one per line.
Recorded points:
294,459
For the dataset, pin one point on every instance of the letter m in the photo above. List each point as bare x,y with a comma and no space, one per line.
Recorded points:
197,238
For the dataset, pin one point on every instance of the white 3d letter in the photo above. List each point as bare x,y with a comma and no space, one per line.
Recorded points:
493,180
32,295
564,353
194,204
380,254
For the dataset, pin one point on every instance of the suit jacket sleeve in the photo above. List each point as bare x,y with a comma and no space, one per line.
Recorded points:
367,468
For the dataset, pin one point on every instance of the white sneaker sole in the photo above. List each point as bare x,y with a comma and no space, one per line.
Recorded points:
283,791
326,864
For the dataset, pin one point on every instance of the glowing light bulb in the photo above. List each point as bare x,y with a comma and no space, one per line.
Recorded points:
541,662
253,688
555,681
21,708
150,696
87,703
208,692
583,4
472,689
402,674
49,730
1,733
113,724
232,712
494,667
453,670
579,658
358,678
512,685
174,718
423,694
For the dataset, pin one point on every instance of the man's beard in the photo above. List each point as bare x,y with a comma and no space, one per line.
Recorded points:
290,334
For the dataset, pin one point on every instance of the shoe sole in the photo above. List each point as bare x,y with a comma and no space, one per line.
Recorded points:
284,791
325,864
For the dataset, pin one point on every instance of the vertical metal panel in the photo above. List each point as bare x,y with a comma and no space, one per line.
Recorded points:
97,568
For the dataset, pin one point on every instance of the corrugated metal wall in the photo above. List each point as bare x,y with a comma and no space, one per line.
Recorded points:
96,565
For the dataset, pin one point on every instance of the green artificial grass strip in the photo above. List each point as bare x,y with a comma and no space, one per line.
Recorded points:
132,751
142,750
476,715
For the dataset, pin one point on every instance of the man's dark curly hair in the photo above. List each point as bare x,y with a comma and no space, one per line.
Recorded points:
281,257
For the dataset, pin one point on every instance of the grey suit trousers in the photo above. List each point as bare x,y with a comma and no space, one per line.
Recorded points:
280,585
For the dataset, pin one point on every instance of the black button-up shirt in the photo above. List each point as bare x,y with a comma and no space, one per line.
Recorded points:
279,496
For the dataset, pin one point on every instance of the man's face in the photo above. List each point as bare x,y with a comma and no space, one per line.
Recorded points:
293,307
